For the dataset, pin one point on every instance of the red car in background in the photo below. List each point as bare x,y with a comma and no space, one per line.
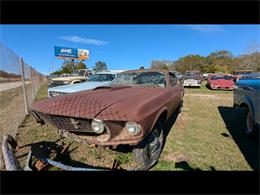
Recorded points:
216,81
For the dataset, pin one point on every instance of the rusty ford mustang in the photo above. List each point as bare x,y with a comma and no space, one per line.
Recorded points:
130,111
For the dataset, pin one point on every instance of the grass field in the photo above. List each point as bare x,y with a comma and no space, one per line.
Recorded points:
206,135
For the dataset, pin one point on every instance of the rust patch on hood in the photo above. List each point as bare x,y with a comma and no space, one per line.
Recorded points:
90,103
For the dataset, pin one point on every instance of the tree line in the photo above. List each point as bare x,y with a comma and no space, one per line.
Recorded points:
67,67
9,75
218,61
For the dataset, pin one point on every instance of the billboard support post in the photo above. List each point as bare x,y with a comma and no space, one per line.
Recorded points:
73,64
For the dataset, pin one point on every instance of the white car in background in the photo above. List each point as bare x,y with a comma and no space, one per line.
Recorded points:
96,80
192,79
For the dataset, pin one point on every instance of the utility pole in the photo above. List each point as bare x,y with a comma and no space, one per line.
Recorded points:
52,67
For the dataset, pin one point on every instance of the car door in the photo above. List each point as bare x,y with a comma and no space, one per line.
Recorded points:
176,90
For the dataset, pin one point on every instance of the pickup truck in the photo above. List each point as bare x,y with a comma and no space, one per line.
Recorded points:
77,76
247,95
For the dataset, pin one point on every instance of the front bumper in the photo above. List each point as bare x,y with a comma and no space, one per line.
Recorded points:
191,84
221,88
83,132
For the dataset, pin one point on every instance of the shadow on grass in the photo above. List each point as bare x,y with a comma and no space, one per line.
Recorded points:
186,167
234,119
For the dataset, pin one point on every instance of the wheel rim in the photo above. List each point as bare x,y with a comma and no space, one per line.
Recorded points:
249,122
155,144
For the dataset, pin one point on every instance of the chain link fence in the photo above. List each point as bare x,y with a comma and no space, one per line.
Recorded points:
19,84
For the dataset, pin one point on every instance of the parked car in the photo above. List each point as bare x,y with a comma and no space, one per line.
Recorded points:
248,76
205,76
192,79
238,74
218,81
64,75
178,75
131,111
98,79
247,95
77,76
53,76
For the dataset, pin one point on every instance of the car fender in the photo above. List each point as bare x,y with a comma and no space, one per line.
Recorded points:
248,101
157,116
76,81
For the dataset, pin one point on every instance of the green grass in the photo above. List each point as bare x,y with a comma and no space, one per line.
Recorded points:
43,91
207,135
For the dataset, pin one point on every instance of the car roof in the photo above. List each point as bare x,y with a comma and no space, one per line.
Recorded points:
106,72
148,70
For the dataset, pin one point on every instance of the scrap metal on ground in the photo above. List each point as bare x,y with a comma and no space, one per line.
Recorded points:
42,156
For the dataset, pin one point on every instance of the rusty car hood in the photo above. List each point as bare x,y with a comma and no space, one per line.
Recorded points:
111,103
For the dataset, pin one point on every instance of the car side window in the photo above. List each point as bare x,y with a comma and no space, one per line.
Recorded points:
111,77
173,79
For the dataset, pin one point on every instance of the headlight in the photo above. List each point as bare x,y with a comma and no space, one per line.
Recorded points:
97,126
54,93
235,86
66,82
214,85
133,128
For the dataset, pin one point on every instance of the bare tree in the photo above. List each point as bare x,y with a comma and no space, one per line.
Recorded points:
164,64
251,59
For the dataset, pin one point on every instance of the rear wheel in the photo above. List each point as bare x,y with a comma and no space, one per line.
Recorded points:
149,150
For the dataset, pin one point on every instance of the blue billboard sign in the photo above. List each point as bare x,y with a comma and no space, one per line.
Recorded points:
66,52
72,53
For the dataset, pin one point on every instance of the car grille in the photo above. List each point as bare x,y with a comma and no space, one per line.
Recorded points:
57,82
67,123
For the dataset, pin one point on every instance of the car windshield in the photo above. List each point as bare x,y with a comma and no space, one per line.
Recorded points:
78,73
228,77
191,74
155,79
64,75
253,75
221,77
101,77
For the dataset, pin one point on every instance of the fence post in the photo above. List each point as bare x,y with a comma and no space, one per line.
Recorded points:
23,84
32,84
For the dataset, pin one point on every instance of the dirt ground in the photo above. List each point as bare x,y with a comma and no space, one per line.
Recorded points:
12,109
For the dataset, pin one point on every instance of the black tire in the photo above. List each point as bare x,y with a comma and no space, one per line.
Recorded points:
251,128
147,152
178,110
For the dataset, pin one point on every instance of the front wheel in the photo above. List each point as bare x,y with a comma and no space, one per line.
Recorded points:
149,150
251,129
